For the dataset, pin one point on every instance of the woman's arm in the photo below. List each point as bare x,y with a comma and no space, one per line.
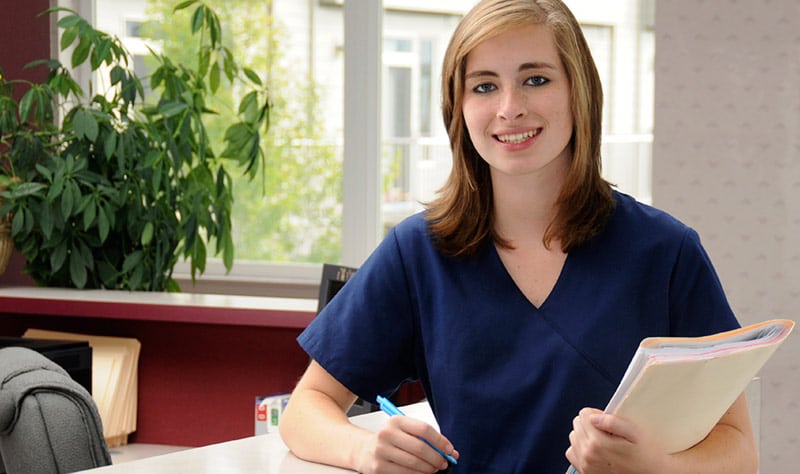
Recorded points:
603,443
315,427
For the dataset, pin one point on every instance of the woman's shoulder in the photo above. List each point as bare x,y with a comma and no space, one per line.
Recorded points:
414,241
636,226
635,216
414,227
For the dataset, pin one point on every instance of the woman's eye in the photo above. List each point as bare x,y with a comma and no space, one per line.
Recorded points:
483,88
537,81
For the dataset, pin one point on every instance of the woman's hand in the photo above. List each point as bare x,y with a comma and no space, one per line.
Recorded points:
397,448
607,444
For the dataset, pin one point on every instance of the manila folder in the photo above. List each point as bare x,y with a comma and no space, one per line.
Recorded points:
679,388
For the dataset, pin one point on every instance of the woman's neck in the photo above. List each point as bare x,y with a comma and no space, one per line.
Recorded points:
524,206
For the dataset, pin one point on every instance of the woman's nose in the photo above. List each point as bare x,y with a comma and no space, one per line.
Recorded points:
512,105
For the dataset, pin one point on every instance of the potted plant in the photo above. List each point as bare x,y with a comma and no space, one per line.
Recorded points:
109,191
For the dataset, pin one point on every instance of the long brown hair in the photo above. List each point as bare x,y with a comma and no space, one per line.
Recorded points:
462,216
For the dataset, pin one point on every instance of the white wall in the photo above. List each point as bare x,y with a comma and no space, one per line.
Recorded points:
726,160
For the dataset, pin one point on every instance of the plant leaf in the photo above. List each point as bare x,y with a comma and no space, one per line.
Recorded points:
103,51
131,261
108,274
197,18
173,286
85,125
110,144
77,270
46,221
183,5
28,221
147,234
43,104
89,214
56,188
85,254
103,226
26,104
81,52
116,75
170,109
58,256
68,37
249,106
198,257
252,75
67,201
213,77
227,251
17,223
215,30
135,280
27,189
69,21
229,63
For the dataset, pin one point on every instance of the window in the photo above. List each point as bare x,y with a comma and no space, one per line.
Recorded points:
415,148
620,35
350,156
133,29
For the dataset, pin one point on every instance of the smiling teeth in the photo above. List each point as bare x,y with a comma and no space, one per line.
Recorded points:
517,137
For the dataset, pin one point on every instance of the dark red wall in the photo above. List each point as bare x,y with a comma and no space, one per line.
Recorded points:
24,37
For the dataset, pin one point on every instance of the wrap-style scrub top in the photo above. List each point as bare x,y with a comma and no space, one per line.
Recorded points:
505,378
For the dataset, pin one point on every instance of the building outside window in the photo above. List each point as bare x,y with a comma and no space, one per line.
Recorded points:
290,220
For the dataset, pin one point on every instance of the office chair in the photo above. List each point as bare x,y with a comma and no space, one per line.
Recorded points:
48,422
333,279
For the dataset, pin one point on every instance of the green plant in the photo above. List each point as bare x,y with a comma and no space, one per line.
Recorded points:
118,190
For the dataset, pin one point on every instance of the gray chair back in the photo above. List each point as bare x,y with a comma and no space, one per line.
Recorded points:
48,422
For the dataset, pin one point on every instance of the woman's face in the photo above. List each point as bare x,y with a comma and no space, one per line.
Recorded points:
516,102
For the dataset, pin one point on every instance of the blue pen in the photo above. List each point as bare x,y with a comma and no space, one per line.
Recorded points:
390,409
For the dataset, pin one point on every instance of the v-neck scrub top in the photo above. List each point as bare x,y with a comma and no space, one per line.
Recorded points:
503,377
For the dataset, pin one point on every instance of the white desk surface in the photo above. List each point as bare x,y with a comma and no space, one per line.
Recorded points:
264,454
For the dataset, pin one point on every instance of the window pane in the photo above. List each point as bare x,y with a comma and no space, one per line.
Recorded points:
620,35
297,216
416,154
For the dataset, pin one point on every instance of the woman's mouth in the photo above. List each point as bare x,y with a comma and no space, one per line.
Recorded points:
515,138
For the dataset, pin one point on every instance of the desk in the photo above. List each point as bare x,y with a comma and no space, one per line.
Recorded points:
265,454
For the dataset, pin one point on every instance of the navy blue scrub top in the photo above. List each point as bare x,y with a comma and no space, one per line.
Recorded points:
503,377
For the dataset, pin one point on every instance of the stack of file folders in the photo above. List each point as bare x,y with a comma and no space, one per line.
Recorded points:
115,363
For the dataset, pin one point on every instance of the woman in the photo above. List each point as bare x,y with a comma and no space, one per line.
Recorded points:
520,295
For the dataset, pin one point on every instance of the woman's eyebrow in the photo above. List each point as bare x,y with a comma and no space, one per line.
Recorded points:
522,67
474,74
537,65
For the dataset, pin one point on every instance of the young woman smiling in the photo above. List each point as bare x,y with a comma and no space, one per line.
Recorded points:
519,296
